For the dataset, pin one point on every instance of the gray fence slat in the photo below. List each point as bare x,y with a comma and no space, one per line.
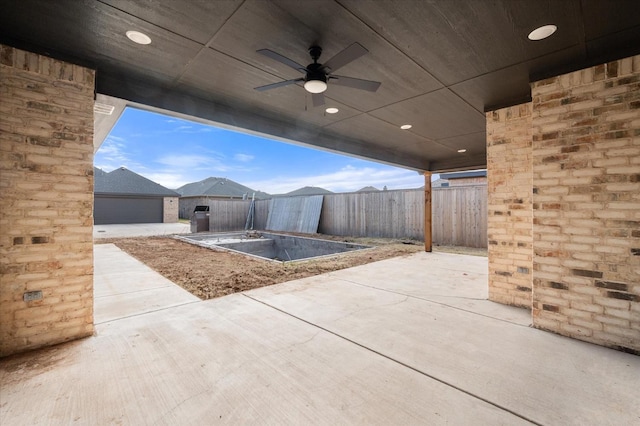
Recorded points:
295,214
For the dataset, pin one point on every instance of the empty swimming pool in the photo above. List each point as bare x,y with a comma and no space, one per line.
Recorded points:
284,248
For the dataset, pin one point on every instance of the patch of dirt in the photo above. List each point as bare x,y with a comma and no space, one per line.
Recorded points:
209,273
19,368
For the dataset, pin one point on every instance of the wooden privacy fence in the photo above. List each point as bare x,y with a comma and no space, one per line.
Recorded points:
226,215
388,214
459,215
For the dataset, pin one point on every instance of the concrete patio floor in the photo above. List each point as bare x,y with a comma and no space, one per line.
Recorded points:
408,340
140,230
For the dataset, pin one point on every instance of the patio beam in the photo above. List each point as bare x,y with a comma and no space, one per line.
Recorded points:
427,212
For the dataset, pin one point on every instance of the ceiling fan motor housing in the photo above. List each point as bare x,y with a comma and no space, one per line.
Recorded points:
315,52
316,71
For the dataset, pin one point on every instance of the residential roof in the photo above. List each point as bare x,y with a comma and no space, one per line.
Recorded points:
125,182
368,189
219,187
98,173
309,190
462,175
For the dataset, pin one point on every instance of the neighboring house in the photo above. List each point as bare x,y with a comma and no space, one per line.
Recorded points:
199,193
439,183
307,190
122,196
368,189
475,177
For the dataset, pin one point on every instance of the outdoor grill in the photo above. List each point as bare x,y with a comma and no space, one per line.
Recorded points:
200,219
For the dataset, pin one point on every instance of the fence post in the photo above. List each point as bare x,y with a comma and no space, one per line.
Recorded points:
427,212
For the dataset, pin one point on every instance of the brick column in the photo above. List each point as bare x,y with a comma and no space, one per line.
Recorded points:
170,209
564,181
509,221
46,191
586,170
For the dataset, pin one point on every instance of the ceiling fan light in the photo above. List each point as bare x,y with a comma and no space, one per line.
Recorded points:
315,86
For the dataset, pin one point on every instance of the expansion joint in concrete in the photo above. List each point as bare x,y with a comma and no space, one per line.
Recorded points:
147,312
403,364
438,303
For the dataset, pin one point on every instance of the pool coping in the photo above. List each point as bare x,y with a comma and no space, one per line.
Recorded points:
189,240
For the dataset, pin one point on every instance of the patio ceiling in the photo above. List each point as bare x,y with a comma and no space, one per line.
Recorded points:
442,63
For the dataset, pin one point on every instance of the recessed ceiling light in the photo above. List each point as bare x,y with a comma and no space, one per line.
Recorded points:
462,150
406,126
331,110
138,37
542,32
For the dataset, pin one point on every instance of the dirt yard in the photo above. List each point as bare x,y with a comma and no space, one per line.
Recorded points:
209,273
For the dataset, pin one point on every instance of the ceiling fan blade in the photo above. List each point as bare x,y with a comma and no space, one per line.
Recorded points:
356,83
279,84
348,55
282,59
317,99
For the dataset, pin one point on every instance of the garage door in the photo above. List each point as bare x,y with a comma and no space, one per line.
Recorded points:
112,210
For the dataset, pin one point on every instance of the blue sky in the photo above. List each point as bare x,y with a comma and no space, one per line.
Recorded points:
173,152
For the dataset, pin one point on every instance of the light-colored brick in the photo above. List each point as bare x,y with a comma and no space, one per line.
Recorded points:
42,181
170,209
584,188
620,331
574,330
615,321
613,303
591,325
587,307
509,177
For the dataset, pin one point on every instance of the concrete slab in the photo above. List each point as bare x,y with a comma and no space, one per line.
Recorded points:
230,361
123,286
543,377
456,281
369,345
140,230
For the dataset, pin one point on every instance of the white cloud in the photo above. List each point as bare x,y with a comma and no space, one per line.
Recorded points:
113,149
179,169
245,158
346,179
113,154
116,139
186,127
168,180
193,161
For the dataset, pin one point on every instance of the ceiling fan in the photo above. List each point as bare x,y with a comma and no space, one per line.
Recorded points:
318,75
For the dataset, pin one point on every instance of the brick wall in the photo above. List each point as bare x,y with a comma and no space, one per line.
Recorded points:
509,220
170,209
586,204
46,192
583,204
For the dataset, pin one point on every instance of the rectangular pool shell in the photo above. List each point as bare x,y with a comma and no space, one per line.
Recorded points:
270,246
